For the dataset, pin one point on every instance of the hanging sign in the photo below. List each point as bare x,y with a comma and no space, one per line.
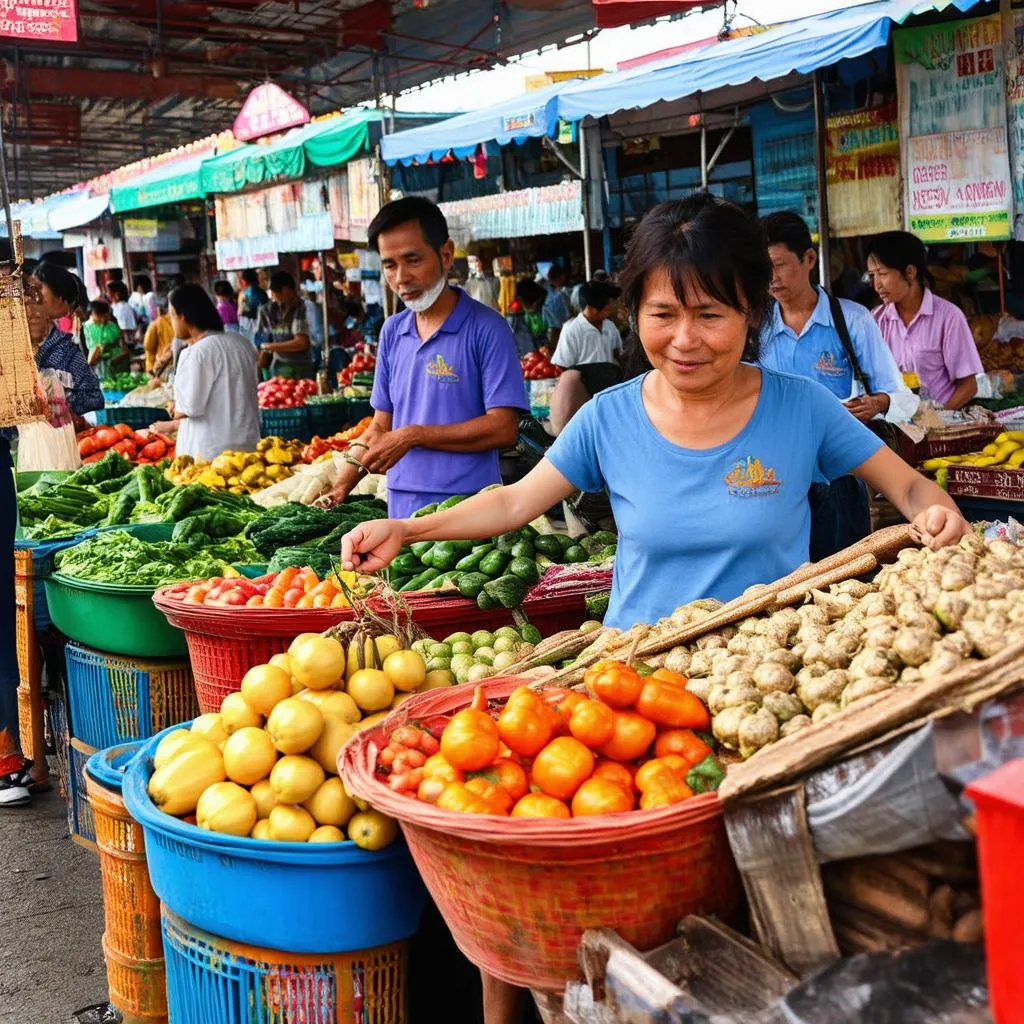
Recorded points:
267,109
1013,35
548,210
952,100
43,21
862,165
141,227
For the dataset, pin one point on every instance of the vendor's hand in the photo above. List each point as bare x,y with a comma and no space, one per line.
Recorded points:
165,426
387,449
866,407
938,527
372,545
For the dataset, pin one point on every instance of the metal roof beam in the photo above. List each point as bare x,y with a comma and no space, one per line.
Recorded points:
81,83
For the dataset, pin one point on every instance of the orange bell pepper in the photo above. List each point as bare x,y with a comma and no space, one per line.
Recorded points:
613,682
664,790
562,767
523,728
600,796
496,798
470,740
615,772
687,744
540,805
456,797
592,723
632,736
665,703
436,767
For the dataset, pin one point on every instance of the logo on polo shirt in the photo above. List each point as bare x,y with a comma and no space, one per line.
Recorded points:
749,479
441,371
826,366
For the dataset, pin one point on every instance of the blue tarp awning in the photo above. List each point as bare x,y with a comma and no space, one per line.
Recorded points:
531,115
797,47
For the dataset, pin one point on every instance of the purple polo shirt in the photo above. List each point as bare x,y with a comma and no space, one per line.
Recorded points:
470,365
938,345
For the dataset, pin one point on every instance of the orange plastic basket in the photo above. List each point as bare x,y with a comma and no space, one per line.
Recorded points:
24,629
136,987
131,908
518,893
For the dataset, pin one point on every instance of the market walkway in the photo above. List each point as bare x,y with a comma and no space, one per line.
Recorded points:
51,918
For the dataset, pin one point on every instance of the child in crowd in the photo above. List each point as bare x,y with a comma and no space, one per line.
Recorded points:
103,337
227,304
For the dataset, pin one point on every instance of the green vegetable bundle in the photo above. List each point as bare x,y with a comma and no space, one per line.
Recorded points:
120,559
293,525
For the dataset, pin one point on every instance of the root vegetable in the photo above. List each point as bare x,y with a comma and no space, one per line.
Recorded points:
880,637
784,706
710,641
956,577
872,662
757,731
912,614
823,711
986,641
863,688
877,604
957,642
795,724
942,662
950,609
700,664
968,928
909,676
739,644
826,689
811,614
770,677
913,645
725,725
678,660
700,688
811,633
781,656
855,588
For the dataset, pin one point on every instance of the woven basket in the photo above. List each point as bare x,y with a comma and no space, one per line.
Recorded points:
22,399
518,893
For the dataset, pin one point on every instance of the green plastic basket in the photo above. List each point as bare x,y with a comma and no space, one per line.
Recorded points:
327,418
117,620
30,479
148,532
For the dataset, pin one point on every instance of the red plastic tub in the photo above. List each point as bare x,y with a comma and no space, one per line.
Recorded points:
999,798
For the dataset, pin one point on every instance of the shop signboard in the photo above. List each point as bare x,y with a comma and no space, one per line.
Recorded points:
268,109
39,21
141,227
784,169
952,100
363,198
243,253
1013,34
958,186
523,213
337,194
863,172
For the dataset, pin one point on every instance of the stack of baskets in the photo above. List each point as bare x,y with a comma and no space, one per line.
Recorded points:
138,417
291,424
132,943
112,700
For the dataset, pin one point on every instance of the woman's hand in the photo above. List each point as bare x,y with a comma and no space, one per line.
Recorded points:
372,545
938,527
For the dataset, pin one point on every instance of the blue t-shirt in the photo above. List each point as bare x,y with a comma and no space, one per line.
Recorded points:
468,366
708,523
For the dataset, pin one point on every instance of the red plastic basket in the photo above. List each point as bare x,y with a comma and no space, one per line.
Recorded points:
518,893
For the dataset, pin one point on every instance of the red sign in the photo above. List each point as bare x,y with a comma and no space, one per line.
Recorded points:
267,109
46,21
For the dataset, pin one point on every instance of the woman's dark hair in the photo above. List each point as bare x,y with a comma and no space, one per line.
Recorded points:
634,359
597,294
529,292
251,278
705,241
787,228
118,289
410,208
191,302
223,289
898,250
64,285
142,281
99,307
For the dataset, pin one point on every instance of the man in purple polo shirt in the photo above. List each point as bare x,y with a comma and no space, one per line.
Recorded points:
448,388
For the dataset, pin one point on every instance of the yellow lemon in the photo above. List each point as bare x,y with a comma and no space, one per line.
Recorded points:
261,830
295,725
264,797
372,830
173,743
176,786
371,689
327,834
330,804
290,824
265,686
226,807
249,755
386,645
295,778
318,662
210,727
236,714
406,670
326,749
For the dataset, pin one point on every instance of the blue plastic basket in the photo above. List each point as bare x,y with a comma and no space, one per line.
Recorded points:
336,897
107,766
114,699
213,981
80,821
113,396
291,424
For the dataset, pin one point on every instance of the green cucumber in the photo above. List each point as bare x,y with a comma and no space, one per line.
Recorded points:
493,564
472,561
419,582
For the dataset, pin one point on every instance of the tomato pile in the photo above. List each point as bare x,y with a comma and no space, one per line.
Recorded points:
336,442
142,446
538,366
289,588
284,393
561,754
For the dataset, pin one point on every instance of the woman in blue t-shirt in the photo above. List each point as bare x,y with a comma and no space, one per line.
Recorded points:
707,458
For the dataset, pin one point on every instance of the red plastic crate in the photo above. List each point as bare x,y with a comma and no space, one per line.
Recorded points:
968,482
999,798
955,441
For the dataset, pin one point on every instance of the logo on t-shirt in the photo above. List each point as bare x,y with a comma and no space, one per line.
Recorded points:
749,479
826,366
441,371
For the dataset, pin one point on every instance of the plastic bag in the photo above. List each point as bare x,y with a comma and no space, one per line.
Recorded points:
151,395
50,444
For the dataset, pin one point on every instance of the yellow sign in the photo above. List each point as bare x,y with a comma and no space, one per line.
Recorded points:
142,227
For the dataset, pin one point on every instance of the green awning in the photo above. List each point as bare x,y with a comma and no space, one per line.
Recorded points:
327,143
172,183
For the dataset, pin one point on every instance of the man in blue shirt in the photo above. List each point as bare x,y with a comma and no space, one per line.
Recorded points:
801,337
448,388
556,309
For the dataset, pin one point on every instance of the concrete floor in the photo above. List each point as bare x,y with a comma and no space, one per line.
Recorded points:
51,918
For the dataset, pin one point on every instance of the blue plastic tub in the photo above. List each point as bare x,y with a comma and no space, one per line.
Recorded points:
114,699
107,766
296,897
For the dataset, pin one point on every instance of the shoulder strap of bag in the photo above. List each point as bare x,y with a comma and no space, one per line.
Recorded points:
844,336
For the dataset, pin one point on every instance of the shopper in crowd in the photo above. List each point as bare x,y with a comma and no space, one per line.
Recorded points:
143,300
525,318
283,330
227,304
575,298
314,316
928,335
54,292
159,339
556,308
104,339
588,351
811,334
122,312
215,406
448,389
251,299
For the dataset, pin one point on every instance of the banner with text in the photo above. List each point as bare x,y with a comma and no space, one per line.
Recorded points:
39,21
549,210
863,172
1013,35
952,102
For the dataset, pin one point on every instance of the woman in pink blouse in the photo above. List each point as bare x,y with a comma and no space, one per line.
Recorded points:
928,335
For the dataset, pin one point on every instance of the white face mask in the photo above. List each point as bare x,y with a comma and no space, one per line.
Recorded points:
429,297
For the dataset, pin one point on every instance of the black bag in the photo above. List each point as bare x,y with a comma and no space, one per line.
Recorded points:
886,431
